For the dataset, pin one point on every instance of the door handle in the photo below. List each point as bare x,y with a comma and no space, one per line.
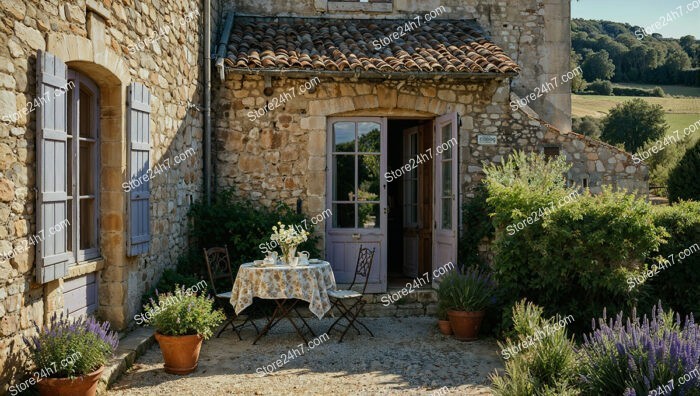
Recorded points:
356,236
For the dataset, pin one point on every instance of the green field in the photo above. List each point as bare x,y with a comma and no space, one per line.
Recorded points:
674,90
680,112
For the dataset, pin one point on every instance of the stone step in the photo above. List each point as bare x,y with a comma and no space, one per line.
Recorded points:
394,303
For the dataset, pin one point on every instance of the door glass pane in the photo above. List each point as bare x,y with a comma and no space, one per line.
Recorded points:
368,135
446,213
85,115
344,215
447,178
87,224
446,136
368,178
344,178
87,169
368,216
344,136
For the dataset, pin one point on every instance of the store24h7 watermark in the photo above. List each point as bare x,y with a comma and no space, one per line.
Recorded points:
419,159
291,355
417,283
283,98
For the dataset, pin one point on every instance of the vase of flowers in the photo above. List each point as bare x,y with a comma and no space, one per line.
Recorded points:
288,238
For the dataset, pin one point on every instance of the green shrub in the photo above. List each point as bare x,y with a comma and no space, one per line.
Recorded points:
631,91
601,87
183,313
678,284
477,222
243,226
574,247
547,366
633,123
683,179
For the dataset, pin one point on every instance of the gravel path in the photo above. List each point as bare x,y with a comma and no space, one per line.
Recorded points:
407,356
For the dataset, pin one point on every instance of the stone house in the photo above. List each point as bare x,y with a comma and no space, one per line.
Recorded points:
105,143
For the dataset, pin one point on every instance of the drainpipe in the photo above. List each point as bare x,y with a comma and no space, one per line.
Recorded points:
207,100
223,43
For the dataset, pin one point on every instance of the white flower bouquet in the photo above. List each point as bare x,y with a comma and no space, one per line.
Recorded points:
288,238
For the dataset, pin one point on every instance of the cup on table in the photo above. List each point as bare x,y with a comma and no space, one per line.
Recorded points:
303,257
294,262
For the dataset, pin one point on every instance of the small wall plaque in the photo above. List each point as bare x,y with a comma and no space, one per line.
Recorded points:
487,140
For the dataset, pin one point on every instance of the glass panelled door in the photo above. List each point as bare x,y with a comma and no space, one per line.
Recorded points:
356,193
446,191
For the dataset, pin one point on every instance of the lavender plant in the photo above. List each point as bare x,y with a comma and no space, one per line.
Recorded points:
633,357
71,347
183,313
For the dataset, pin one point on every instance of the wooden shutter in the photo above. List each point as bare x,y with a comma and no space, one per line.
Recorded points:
138,125
52,256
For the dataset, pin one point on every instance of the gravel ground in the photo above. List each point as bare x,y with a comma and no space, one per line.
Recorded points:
407,356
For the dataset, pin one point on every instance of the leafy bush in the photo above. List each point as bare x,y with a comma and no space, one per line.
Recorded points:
601,87
548,366
183,313
70,347
633,357
631,91
633,123
678,284
587,125
576,247
469,290
683,179
241,225
476,219
168,282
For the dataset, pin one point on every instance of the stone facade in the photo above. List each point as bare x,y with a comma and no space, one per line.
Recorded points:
101,40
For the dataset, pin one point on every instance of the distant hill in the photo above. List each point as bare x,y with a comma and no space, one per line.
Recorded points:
620,52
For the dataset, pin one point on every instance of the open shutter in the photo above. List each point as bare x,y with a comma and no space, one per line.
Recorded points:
52,256
138,124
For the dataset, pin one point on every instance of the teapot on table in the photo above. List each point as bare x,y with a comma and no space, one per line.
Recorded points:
303,257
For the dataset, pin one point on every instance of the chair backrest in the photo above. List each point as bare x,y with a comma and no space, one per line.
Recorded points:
365,258
218,265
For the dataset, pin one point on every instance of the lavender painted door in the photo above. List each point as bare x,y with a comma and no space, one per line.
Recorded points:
445,200
356,193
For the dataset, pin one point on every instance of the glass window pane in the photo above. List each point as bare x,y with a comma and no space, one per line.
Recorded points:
368,178
368,134
85,114
343,215
368,216
344,178
344,136
69,228
87,169
69,167
446,213
87,224
446,136
447,178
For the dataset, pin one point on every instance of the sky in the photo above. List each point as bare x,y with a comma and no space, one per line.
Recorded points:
644,13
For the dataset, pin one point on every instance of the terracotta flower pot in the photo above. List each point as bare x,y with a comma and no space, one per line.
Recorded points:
81,386
465,325
445,327
180,353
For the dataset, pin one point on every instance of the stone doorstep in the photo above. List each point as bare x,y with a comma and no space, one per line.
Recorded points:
133,345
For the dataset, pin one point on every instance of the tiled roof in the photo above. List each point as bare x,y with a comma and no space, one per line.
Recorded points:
351,45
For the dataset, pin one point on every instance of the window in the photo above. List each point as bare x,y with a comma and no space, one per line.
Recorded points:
551,152
83,167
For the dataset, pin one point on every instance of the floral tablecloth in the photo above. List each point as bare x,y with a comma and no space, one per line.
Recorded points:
309,283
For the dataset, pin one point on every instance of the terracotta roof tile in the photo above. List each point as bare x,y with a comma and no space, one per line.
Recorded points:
349,44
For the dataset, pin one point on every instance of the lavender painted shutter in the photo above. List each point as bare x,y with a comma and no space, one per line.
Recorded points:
52,256
138,124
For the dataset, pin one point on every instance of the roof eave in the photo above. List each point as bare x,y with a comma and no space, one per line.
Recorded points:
408,75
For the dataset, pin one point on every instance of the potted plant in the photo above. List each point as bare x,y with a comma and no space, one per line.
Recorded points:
70,354
182,320
466,295
443,320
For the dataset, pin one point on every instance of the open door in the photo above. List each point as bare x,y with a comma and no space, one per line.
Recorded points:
356,192
445,193
410,204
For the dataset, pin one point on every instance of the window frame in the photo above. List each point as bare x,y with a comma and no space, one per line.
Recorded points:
83,82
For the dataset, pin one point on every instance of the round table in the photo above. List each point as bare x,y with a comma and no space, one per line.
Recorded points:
283,283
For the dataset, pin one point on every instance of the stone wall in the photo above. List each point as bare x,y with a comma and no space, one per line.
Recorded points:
95,38
534,33
282,155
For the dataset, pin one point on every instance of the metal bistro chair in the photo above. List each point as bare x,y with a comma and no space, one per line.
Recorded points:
219,267
365,258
